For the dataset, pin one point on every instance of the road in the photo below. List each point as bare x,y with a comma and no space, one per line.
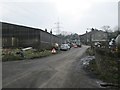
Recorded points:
57,71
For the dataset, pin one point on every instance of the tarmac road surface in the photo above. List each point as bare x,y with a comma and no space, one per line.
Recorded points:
57,71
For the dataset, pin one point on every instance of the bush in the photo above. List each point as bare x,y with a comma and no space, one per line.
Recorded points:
29,54
11,57
90,52
105,65
110,76
93,66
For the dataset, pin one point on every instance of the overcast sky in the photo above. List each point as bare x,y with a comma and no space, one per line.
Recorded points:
74,15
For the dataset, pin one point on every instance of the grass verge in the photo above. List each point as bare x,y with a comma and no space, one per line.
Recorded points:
108,66
29,54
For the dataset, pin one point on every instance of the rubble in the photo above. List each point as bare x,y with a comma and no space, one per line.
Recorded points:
85,61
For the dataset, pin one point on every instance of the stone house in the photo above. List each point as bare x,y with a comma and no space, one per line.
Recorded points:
94,36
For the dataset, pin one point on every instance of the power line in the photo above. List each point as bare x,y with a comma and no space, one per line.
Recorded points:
58,27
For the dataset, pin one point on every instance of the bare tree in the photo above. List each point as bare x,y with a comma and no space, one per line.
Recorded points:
106,28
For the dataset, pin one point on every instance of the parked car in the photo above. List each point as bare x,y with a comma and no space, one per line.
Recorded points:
75,46
64,47
70,45
78,44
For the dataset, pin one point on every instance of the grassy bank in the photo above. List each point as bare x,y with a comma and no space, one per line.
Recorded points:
108,66
13,55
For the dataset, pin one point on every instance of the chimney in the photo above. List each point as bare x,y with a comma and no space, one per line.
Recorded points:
45,30
51,31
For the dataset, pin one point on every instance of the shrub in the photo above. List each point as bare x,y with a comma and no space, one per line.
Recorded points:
90,52
28,54
11,57
32,55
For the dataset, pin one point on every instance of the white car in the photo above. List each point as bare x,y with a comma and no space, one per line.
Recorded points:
64,47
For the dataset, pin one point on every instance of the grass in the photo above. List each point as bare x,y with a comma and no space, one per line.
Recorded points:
29,54
11,57
108,65
110,75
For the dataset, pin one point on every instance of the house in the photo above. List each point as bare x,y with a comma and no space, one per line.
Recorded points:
94,36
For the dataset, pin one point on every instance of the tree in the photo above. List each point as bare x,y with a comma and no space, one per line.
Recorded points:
106,28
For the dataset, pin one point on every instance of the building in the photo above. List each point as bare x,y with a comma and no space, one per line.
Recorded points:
18,36
94,36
